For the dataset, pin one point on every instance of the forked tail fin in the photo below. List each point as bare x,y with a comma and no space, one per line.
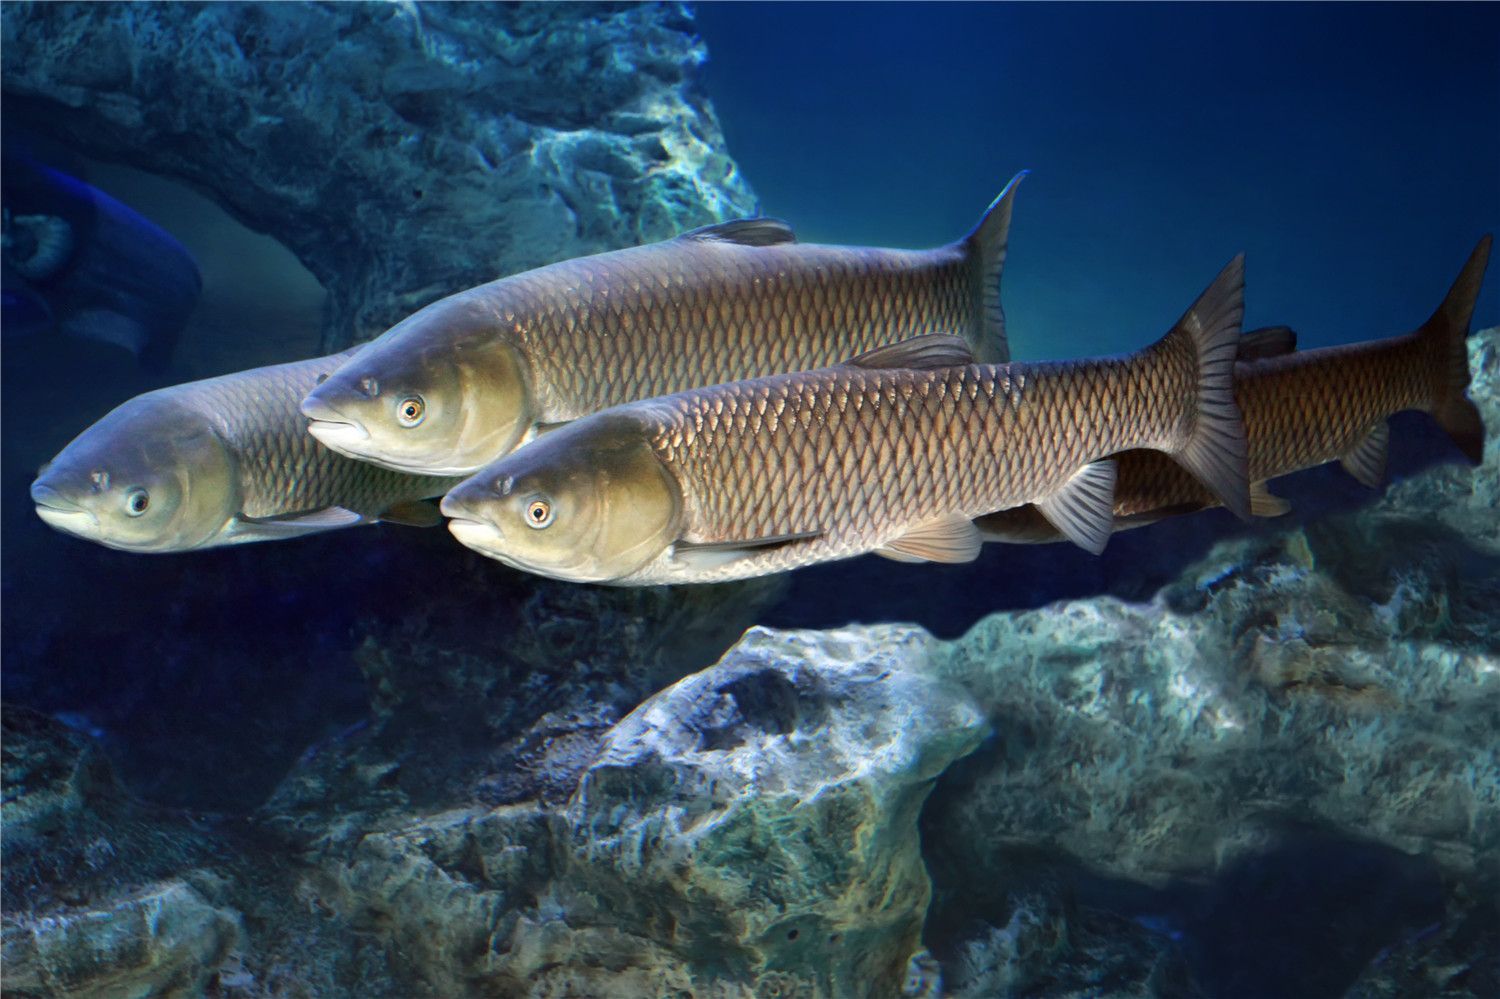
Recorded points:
1216,452
1445,335
986,247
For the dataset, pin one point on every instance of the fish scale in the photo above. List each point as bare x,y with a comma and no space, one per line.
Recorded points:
1304,409
282,469
722,312
1301,410
860,457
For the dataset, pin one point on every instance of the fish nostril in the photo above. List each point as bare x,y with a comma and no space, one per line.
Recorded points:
369,386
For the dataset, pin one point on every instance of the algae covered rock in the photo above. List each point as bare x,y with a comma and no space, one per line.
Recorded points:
750,830
94,898
165,941
1304,722
766,807
401,151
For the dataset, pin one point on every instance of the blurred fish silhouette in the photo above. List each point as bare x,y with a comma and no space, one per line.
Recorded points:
79,262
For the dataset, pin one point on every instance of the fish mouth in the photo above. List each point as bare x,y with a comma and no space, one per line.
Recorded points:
479,535
332,428
61,513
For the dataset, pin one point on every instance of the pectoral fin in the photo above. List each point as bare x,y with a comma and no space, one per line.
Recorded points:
277,528
929,351
1084,508
948,539
1264,504
1366,460
714,555
414,513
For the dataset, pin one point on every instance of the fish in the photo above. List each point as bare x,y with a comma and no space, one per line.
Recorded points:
472,376
1306,409
219,461
892,452
81,263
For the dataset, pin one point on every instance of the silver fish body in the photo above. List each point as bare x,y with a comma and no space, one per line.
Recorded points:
465,380
214,462
894,453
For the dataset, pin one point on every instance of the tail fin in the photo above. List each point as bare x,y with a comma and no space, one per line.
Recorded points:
1445,335
986,245
1216,452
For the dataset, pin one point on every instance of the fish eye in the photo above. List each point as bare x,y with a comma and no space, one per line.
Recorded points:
410,411
136,502
539,514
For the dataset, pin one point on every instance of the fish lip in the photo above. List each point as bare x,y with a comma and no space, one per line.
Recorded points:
44,496
338,434
69,519
479,535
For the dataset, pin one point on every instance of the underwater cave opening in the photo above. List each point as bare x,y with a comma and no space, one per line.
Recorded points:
150,655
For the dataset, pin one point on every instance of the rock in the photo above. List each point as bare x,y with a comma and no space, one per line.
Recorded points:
765,809
165,941
1335,682
751,830
401,151
94,907
48,774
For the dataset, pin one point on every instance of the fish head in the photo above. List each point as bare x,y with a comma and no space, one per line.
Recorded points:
589,502
151,476
442,393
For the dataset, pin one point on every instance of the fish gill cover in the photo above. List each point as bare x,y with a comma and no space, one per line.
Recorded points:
1217,761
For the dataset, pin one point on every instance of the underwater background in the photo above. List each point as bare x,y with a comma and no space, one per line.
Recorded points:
1222,759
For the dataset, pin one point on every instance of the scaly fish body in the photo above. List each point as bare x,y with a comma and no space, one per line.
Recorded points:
1305,409
467,379
215,462
894,453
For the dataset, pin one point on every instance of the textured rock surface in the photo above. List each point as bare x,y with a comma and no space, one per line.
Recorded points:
750,829
1342,679
402,151
1278,776
165,940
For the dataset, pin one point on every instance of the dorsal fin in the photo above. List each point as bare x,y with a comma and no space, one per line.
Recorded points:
1268,341
920,353
987,244
745,232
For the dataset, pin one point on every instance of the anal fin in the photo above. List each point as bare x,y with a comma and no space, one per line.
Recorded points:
1084,508
1366,460
1263,503
947,539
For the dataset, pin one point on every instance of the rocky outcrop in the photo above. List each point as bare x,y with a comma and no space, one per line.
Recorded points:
1277,776
1334,684
749,830
97,899
401,151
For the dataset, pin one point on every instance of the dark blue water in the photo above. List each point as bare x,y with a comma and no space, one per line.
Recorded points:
1352,151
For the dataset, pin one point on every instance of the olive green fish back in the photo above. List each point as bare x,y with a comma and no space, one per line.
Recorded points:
694,311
